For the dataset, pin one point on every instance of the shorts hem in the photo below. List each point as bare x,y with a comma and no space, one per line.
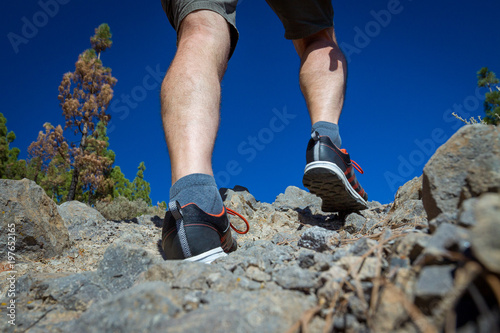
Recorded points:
303,33
206,5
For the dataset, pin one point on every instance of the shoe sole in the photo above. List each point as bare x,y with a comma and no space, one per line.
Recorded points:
326,180
208,256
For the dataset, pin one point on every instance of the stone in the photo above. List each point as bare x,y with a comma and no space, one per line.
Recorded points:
408,212
467,165
319,239
346,323
295,278
485,235
256,274
446,217
412,245
121,265
483,177
78,217
240,200
295,198
434,282
354,223
412,190
361,246
240,311
74,292
138,309
32,216
365,269
447,237
192,276
466,215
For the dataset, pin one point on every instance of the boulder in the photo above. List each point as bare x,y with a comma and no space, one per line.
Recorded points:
412,190
240,200
294,198
466,166
34,219
77,217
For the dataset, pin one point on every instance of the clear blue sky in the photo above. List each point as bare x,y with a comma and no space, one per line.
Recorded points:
407,71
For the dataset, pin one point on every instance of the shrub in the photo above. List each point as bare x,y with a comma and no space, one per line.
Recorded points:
123,209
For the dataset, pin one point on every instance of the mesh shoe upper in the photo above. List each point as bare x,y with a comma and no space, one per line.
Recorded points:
188,232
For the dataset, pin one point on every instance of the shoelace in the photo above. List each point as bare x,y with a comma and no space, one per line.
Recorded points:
356,165
232,212
315,135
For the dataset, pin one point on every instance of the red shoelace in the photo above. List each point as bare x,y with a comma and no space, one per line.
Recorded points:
356,165
232,212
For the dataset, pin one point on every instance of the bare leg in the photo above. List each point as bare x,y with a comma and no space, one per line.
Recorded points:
190,93
323,75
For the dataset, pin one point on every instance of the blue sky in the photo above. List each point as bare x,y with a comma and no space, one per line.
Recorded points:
411,63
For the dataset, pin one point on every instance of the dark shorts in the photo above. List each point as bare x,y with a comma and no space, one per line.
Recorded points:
300,18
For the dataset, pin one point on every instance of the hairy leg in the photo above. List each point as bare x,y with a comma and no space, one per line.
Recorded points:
323,75
190,93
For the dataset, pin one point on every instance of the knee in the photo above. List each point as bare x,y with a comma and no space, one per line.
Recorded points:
322,39
204,27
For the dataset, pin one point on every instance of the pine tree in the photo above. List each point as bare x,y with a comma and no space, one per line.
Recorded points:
10,167
121,185
487,79
96,174
141,187
49,165
84,97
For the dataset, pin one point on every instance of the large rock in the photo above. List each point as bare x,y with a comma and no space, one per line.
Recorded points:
467,165
78,217
412,190
39,229
294,198
240,200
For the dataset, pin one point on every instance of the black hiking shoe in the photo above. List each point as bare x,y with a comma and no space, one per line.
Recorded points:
191,234
329,174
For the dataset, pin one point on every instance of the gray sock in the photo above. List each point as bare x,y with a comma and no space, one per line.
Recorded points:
328,129
200,189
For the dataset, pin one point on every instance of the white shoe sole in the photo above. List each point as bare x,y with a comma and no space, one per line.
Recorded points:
326,180
209,256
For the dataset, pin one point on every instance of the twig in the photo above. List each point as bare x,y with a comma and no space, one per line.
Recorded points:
329,318
413,311
494,284
304,320
376,283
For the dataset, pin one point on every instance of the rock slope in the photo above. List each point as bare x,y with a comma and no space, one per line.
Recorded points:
428,260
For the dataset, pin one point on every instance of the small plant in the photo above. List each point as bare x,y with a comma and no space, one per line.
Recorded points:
122,208
471,121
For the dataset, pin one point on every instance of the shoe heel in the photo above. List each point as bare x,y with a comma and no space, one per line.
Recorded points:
208,256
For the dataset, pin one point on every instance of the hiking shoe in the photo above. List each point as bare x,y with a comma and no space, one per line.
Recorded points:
191,234
329,174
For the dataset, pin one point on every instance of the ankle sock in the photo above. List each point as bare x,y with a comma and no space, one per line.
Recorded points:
200,189
328,129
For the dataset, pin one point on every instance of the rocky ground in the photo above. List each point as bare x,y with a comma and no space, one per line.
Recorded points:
428,262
